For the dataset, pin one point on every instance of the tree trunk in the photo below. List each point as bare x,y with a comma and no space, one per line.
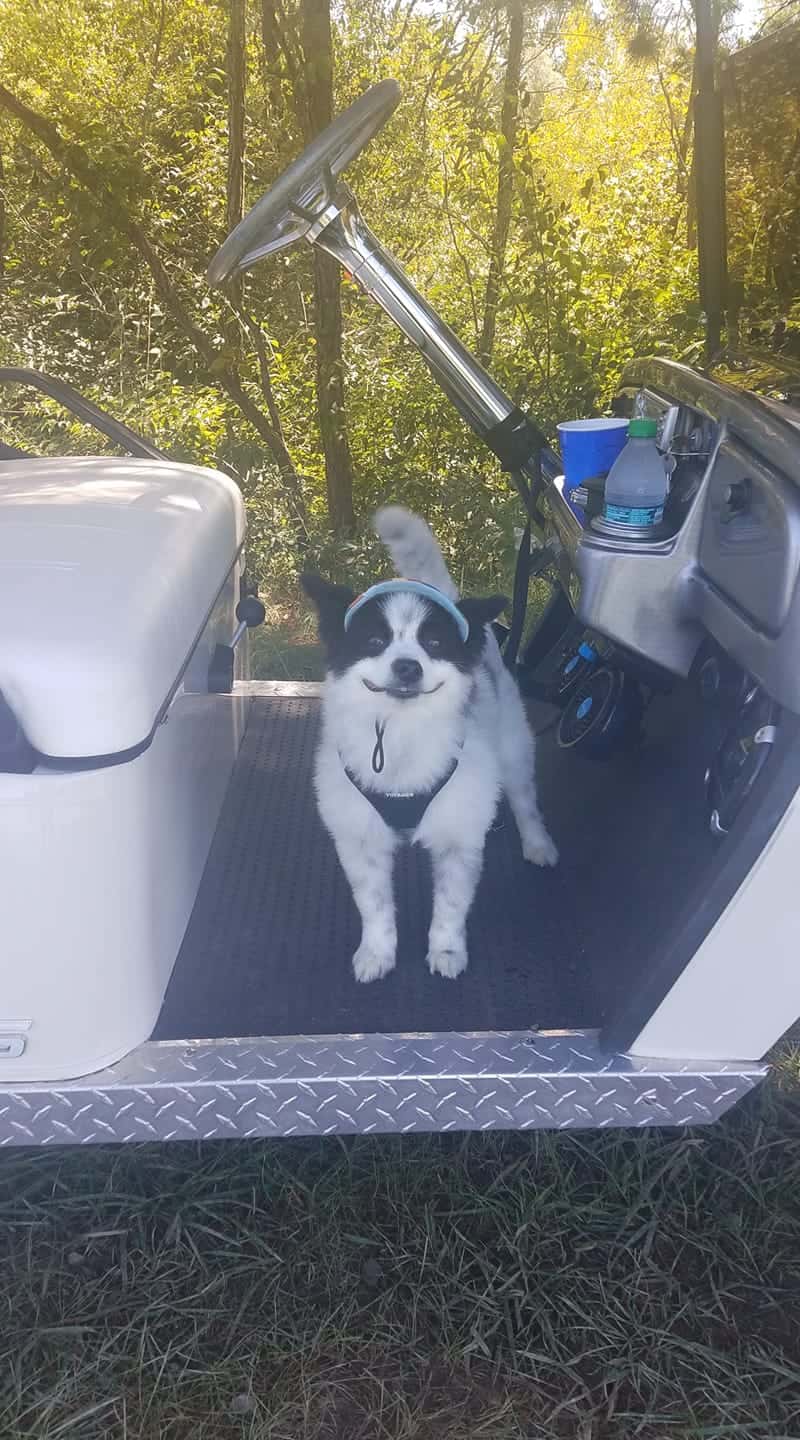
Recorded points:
318,112
237,79
709,174
77,163
505,176
235,64
278,45
688,152
2,221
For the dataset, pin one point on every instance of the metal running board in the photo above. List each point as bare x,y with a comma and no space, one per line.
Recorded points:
357,1084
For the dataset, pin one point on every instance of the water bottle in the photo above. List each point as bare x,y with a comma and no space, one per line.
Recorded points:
637,482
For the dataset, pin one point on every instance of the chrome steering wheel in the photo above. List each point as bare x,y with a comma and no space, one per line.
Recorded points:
302,193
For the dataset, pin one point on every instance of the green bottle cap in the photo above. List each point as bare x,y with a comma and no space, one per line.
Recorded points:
643,428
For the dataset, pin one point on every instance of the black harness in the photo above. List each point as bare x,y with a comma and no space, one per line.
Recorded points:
399,809
402,809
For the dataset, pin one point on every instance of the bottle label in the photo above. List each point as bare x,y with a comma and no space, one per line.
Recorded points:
634,515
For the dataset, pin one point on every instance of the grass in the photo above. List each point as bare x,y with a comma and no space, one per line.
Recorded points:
285,646
595,1287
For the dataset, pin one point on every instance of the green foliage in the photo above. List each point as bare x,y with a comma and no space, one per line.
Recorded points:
763,143
597,266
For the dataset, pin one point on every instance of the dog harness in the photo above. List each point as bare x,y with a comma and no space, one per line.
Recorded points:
402,809
399,809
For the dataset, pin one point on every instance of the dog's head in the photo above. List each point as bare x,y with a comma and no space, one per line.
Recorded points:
401,646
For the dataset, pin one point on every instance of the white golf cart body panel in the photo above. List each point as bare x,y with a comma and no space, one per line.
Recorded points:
742,989
117,580
109,571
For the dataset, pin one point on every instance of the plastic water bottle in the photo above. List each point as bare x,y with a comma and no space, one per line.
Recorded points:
637,482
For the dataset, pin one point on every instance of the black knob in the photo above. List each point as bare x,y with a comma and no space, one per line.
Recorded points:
250,611
738,496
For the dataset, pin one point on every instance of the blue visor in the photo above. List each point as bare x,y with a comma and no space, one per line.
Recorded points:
413,587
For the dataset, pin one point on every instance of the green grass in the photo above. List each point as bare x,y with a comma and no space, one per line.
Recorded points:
595,1287
285,646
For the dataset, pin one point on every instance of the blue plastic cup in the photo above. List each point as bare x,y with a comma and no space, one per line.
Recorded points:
589,447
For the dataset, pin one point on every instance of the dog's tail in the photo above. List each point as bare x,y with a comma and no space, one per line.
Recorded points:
414,551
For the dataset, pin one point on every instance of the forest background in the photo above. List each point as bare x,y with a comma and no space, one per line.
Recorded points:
536,181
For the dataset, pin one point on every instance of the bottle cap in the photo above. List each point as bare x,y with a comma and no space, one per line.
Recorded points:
643,428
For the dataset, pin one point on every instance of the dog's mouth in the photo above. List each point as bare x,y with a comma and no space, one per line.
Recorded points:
400,692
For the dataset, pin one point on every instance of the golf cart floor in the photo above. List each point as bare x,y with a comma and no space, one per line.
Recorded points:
269,943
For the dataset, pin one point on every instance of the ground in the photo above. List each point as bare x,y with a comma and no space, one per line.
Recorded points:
285,646
597,1287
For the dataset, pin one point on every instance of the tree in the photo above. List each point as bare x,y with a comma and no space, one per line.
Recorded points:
2,221
304,52
318,87
237,79
505,175
122,174
115,211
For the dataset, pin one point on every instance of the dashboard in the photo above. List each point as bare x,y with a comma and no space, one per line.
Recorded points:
726,562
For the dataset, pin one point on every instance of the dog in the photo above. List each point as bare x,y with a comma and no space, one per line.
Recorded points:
423,729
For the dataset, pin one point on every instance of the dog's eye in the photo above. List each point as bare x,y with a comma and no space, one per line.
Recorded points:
432,643
376,643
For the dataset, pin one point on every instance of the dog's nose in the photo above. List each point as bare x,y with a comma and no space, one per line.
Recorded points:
407,671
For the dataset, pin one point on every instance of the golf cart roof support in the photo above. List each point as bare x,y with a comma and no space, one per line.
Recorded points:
82,409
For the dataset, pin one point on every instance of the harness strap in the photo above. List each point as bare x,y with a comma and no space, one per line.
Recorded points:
403,809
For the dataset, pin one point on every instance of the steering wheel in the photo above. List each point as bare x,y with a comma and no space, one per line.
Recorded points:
301,193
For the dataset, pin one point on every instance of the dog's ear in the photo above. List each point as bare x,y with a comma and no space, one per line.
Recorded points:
324,594
330,602
480,611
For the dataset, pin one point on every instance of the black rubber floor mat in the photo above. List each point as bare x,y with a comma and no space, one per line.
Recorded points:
269,943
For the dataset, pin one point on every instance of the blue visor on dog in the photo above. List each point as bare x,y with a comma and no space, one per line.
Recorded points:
414,587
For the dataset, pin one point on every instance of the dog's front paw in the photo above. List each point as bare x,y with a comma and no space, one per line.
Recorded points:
539,849
449,962
372,962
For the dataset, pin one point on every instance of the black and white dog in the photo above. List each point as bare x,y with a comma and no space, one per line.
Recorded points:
423,728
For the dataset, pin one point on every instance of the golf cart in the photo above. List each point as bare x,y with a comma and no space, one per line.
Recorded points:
177,933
